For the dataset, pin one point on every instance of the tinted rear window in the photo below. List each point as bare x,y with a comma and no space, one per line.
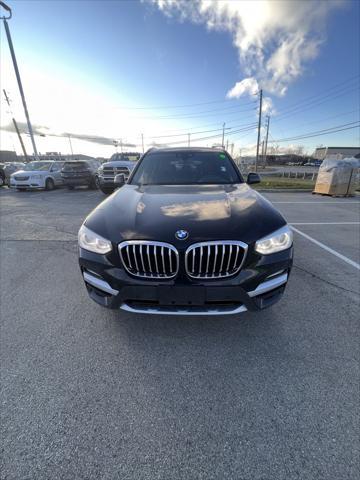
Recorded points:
75,166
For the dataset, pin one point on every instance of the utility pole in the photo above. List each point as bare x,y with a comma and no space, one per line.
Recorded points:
267,135
223,134
227,144
16,127
71,149
262,150
259,128
142,142
188,139
17,73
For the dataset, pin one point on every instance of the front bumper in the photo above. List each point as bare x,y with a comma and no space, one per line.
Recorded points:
108,180
27,184
77,181
258,285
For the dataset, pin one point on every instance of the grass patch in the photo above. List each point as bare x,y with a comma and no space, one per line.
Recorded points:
280,182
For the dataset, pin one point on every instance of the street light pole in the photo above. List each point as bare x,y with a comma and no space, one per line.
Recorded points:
71,148
17,74
16,127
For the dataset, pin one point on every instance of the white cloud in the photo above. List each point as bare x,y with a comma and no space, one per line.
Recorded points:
248,85
267,106
275,38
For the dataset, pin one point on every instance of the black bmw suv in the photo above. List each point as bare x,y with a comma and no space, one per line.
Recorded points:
186,235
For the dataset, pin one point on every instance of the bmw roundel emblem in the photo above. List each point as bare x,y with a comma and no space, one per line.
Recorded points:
181,234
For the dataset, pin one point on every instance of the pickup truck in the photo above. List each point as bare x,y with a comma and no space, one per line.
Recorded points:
108,171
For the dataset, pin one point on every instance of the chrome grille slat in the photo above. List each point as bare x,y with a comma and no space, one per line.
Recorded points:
155,256
170,260
142,258
162,258
215,259
129,258
222,259
134,253
228,264
149,259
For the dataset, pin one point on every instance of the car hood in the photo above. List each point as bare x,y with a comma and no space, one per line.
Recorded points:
210,212
30,172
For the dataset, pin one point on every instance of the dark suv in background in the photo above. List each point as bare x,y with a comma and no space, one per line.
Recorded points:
80,173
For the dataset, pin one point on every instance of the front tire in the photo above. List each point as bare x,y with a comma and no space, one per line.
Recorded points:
93,184
2,181
107,191
49,184
70,187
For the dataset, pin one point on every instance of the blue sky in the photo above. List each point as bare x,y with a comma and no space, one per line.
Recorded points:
87,66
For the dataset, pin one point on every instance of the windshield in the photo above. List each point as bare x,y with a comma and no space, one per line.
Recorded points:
37,166
186,168
75,166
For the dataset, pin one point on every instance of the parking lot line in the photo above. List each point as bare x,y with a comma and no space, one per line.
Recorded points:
329,202
328,249
326,223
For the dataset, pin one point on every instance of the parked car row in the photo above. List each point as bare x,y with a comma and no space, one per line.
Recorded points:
306,163
47,175
6,169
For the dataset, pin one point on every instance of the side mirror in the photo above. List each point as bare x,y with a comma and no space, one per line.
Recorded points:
119,180
253,178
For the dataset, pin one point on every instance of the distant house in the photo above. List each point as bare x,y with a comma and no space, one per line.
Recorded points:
336,152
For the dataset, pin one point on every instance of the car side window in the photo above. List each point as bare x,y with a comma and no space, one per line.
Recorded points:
55,167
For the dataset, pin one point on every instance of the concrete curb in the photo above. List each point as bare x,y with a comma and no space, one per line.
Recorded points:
286,190
295,190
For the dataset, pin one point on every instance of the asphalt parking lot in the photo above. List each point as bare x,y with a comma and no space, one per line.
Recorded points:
89,393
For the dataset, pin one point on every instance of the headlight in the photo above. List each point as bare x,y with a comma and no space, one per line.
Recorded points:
275,242
35,177
93,242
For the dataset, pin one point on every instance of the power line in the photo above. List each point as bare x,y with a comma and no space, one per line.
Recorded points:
189,129
204,113
338,128
186,131
181,106
342,114
325,99
209,137
314,97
